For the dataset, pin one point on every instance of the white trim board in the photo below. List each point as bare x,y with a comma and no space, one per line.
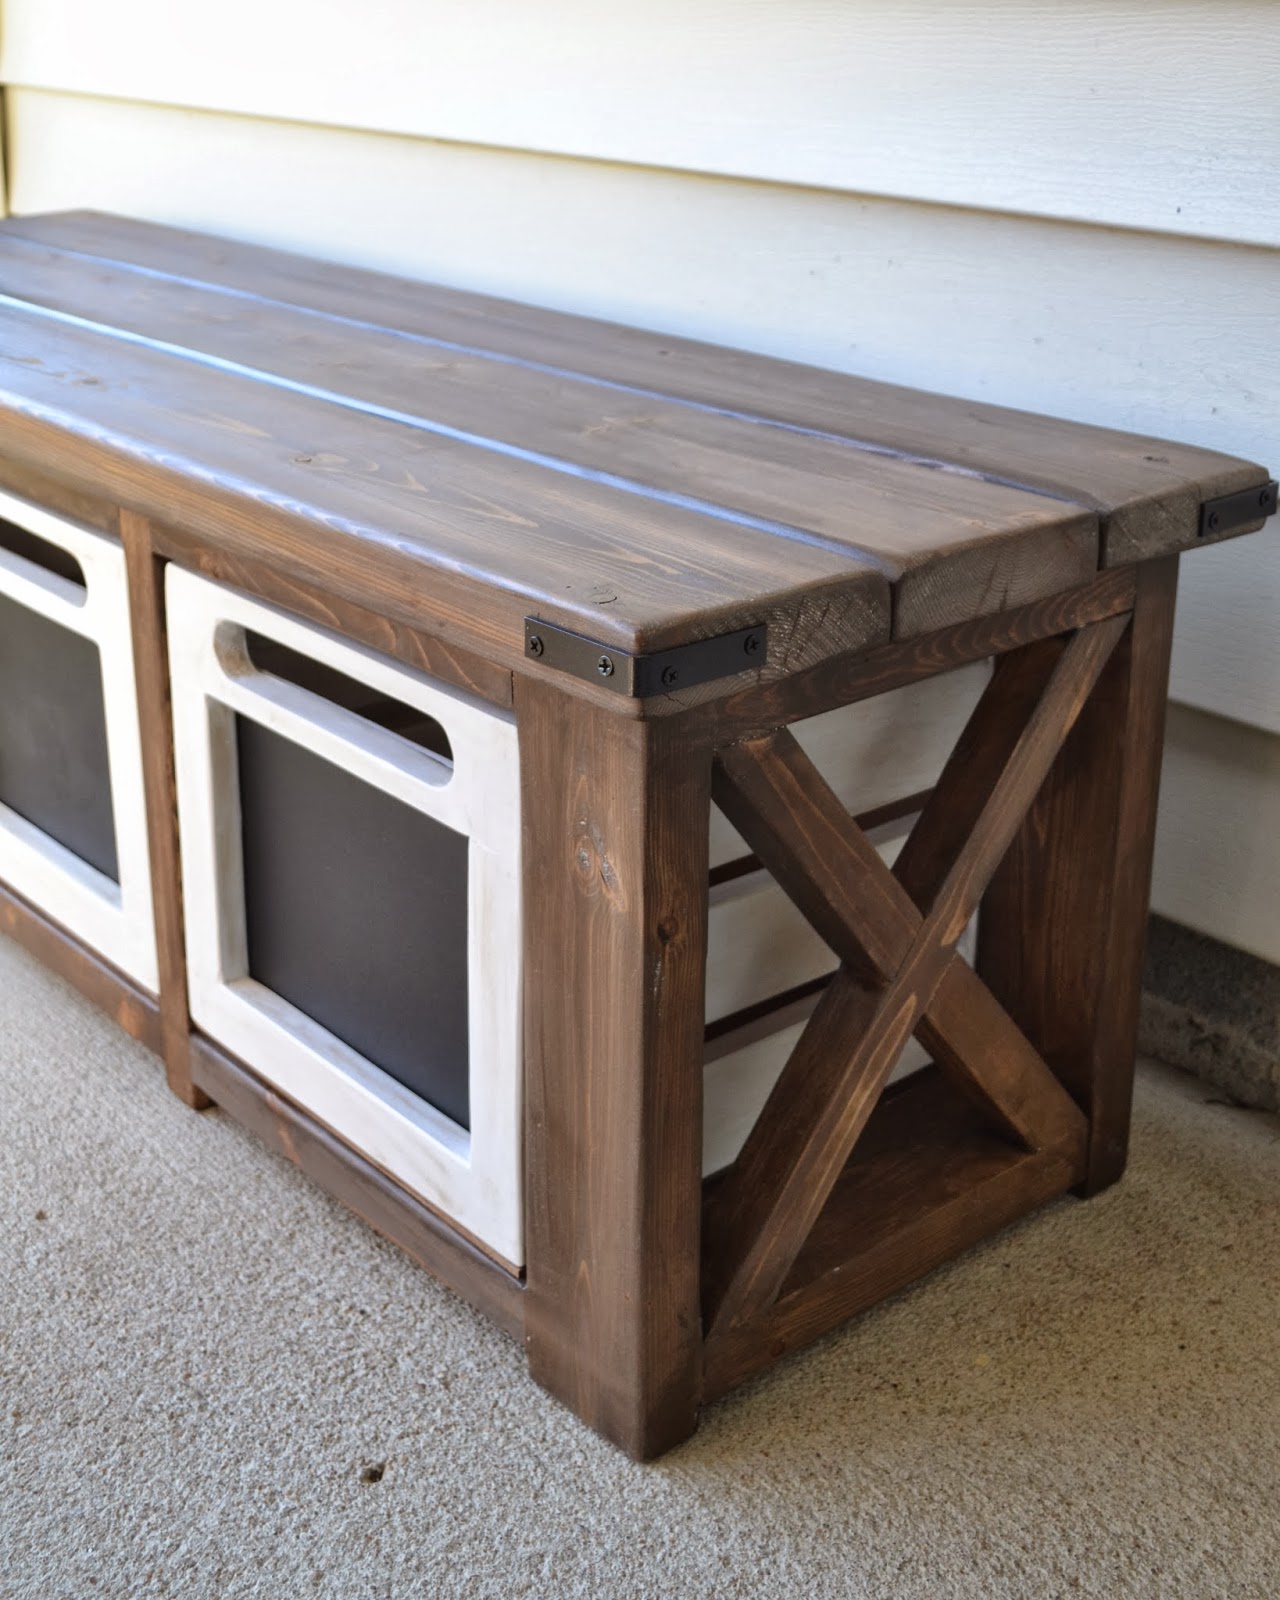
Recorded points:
1156,116
114,919
474,1178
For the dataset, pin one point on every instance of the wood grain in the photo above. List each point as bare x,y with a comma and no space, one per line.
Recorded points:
991,307
926,1181
756,710
1063,922
420,469
976,767
828,1089
615,869
780,803
1146,491
54,495
405,522
422,651
155,718
362,1188
953,544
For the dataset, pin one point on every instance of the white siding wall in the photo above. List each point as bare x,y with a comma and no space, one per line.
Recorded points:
1070,205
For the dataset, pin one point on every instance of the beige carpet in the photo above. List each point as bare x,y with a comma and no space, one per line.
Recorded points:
203,1361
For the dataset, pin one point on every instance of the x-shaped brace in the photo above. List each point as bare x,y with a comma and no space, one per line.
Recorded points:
895,933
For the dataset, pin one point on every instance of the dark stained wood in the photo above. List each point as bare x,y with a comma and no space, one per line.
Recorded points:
1147,491
359,1186
52,495
419,469
428,529
869,823
793,1156
759,708
155,718
1063,922
130,1007
975,766
616,817
775,797
926,1182
427,654
953,544
994,1065
780,803
772,792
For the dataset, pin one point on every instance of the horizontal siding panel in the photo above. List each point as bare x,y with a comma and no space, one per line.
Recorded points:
1217,844
1226,655
1159,115
1132,331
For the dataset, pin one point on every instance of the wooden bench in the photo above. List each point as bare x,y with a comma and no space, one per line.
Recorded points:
552,603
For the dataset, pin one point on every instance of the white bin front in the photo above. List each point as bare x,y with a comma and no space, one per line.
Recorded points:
470,1174
107,904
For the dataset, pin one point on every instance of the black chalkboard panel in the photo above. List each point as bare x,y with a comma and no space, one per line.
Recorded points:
53,735
356,913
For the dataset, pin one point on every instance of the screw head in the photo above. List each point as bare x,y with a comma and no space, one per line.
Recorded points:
670,676
1264,498
605,667
535,645
1214,522
751,644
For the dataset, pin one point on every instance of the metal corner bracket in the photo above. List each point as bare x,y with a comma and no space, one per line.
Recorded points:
641,677
1232,511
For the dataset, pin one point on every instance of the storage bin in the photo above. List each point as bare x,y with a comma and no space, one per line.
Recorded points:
350,837
351,853
73,838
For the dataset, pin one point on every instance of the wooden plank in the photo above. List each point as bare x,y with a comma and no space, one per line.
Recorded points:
953,544
155,720
130,1007
828,1089
1147,491
422,651
779,802
998,308
868,822
751,712
362,1188
1063,923
925,1183
615,871
850,745
409,523
974,769
53,495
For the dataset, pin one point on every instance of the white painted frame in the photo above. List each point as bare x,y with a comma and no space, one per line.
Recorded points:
474,1178
113,919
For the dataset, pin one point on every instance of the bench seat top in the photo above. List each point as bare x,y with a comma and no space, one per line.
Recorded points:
460,463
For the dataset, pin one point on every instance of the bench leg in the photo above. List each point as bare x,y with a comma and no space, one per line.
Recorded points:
615,911
155,716
1063,923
